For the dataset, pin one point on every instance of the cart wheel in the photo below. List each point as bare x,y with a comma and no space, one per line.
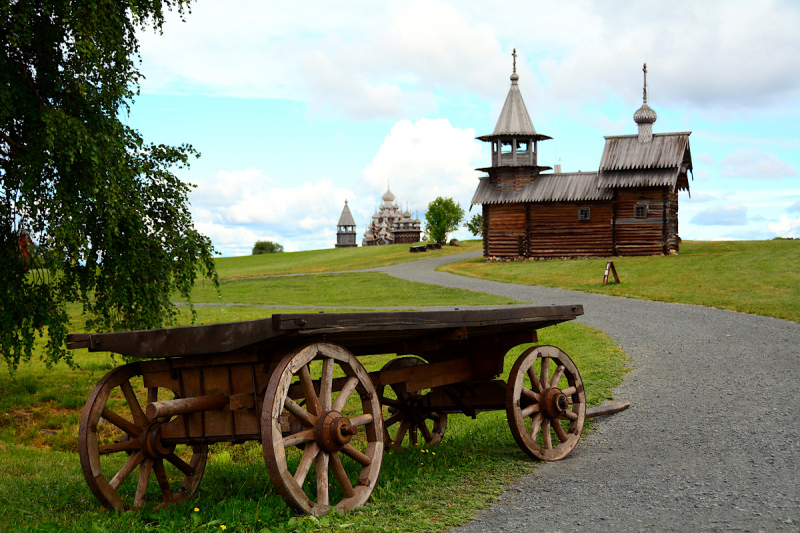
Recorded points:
126,440
537,405
405,410
332,435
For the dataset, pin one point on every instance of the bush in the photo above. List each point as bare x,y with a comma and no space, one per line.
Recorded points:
475,225
443,217
267,247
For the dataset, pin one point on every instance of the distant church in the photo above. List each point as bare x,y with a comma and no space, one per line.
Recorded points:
628,207
390,225
346,229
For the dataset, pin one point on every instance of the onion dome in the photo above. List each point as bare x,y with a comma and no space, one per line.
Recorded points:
645,116
388,196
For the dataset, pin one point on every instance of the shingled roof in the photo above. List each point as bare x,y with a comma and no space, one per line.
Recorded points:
567,187
347,218
626,162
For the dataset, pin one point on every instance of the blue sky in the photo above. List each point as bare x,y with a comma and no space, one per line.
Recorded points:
296,110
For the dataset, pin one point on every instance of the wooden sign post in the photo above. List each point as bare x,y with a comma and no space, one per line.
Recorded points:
610,268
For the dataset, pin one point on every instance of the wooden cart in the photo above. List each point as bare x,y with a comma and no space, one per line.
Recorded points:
294,382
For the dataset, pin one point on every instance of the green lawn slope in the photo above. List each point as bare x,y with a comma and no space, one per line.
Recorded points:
757,277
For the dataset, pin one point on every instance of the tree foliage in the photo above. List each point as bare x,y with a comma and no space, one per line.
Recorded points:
267,247
444,216
475,225
108,218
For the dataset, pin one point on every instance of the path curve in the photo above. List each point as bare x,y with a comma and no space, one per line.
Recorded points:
711,441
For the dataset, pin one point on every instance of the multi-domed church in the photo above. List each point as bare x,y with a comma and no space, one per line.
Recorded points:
391,225
629,206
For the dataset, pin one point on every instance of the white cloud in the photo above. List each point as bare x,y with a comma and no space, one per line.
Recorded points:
787,227
728,215
369,60
426,159
755,164
794,208
237,208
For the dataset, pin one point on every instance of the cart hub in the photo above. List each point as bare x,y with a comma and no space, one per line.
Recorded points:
333,431
554,402
152,445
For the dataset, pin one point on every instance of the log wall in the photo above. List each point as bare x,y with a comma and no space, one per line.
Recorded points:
556,231
506,230
641,236
672,222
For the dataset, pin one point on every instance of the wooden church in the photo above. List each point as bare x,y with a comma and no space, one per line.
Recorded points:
628,207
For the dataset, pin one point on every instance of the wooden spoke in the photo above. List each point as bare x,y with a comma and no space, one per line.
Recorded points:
299,438
522,405
180,464
308,391
128,427
426,433
528,411
548,440
322,448
132,462
356,455
545,379
304,416
530,394
562,435
361,420
344,394
535,385
326,384
163,482
392,420
392,403
141,487
93,444
322,478
412,434
536,423
123,446
401,431
341,476
557,375
133,404
309,455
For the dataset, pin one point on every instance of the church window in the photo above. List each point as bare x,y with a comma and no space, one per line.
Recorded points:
640,211
584,213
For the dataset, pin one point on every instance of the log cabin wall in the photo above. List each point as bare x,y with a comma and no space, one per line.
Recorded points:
643,232
557,231
505,230
672,222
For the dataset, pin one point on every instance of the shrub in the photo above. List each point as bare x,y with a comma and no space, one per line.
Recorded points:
266,247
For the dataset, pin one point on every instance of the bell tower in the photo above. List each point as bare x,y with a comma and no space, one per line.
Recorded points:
514,142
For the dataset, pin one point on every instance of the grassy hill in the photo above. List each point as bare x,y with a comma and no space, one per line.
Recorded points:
329,260
757,277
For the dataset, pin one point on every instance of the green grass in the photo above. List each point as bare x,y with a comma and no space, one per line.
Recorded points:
42,487
358,289
330,260
757,277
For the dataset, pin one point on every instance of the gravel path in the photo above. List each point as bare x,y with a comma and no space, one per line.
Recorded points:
711,441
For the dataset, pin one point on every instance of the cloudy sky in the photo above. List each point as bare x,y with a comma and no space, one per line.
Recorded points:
295,110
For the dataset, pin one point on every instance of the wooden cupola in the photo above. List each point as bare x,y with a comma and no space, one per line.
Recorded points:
514,140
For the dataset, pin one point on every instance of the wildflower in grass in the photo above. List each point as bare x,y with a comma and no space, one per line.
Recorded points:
196,510
223,527
434,453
